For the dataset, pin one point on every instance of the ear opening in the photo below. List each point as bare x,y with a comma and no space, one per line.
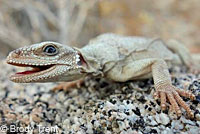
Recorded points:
81,61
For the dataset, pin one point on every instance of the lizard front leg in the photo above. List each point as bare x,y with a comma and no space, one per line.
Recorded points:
162,81
68,85
165,90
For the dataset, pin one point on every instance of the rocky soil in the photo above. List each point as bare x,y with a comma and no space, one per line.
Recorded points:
98,107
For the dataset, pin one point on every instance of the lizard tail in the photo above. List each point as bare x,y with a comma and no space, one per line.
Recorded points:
181,50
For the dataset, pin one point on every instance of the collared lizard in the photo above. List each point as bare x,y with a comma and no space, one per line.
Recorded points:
112,56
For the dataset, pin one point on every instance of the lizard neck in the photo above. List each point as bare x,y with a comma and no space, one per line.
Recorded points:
93,65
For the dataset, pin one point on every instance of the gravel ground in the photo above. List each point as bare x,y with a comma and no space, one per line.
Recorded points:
98,107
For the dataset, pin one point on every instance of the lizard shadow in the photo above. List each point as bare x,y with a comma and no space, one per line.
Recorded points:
105,88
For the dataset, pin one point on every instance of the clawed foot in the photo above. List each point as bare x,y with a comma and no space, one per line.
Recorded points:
68,85
170,92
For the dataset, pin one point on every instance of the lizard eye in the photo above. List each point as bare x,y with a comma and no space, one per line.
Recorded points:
50,50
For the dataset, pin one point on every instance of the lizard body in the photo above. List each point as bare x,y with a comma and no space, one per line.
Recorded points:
112,51
112,56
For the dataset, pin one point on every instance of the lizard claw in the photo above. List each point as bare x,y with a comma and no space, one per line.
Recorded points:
68,85
173,94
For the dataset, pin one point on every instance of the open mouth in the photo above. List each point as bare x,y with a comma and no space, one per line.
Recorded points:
35,69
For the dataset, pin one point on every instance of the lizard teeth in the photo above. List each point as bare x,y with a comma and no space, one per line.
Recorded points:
77,56
28,63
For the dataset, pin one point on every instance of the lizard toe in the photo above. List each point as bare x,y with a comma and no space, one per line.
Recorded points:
187,94
156,95
183,104
163,100
174,104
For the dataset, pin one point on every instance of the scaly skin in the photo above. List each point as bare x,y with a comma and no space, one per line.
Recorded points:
111,56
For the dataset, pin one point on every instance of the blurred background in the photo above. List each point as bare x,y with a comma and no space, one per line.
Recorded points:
75,22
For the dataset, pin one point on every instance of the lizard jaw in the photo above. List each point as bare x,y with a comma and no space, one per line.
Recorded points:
33,75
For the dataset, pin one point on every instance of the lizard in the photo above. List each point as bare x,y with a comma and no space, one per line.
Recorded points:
114,57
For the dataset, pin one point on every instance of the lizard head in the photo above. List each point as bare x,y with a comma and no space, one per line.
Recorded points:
50,61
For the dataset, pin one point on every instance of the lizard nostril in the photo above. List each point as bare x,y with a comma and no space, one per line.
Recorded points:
15,54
